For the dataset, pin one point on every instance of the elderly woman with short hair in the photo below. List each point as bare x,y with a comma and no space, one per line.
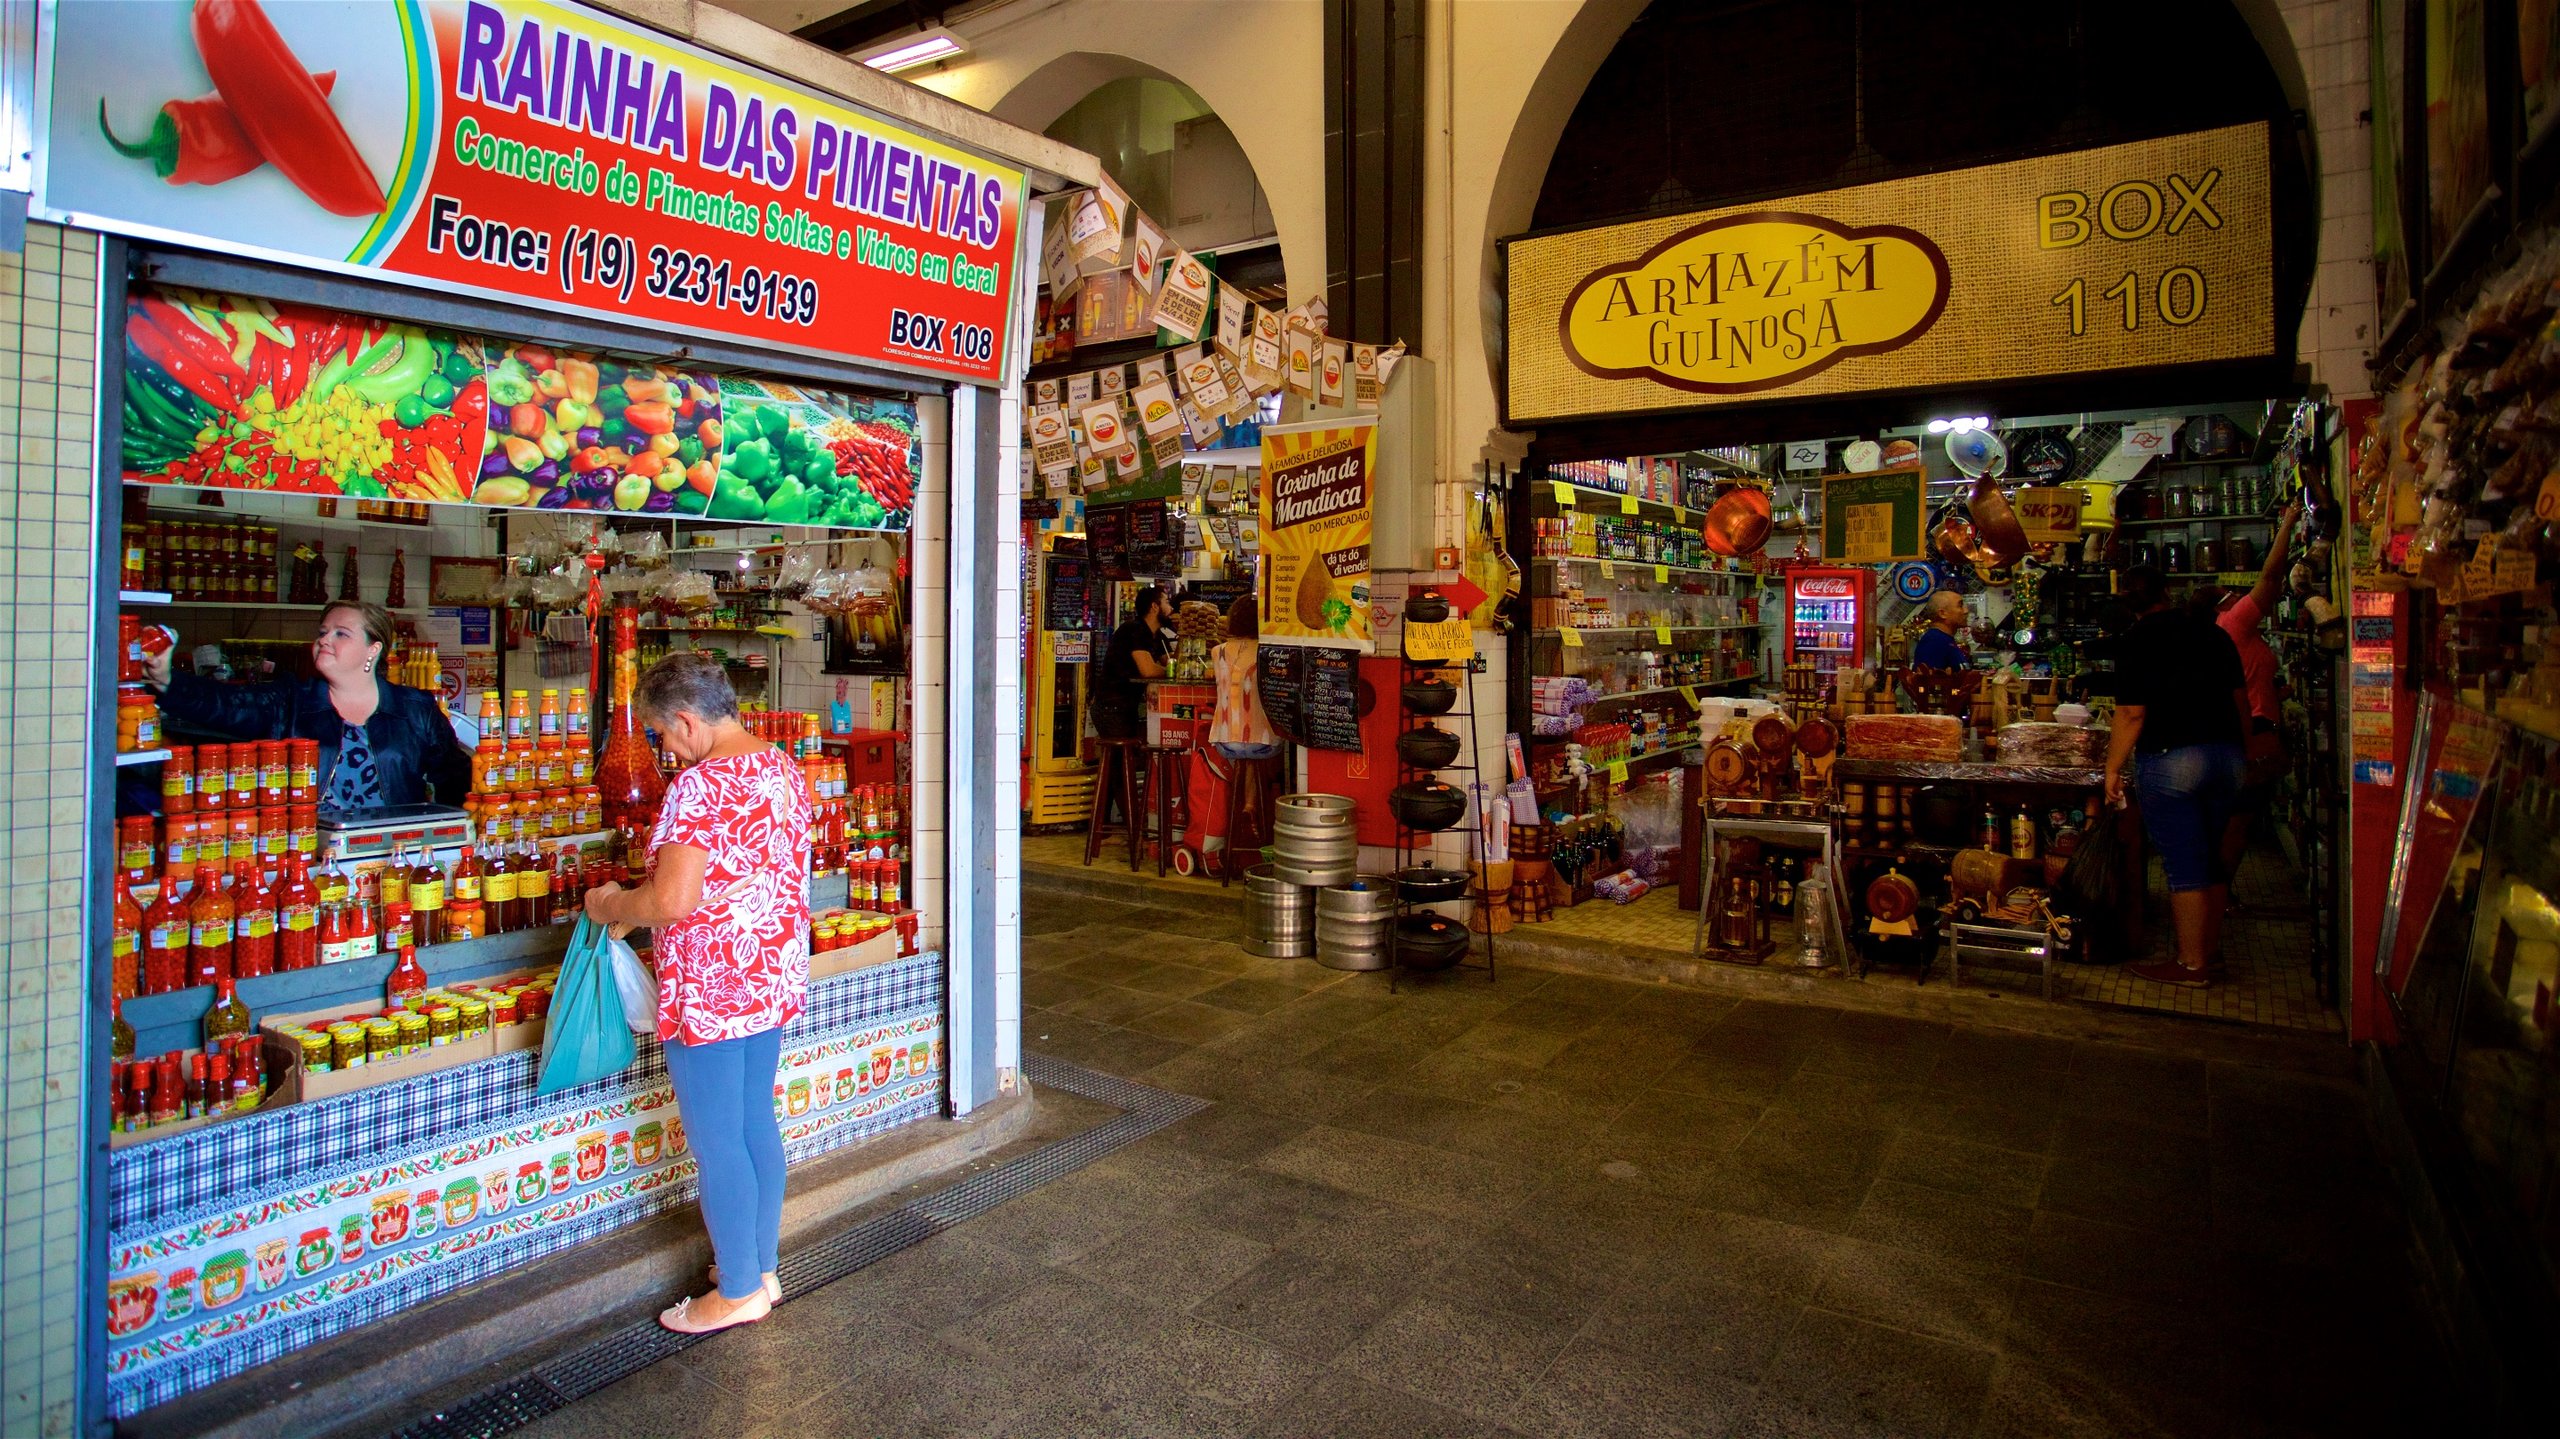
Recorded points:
727,896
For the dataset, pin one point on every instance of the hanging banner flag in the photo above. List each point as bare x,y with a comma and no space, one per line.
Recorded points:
1364,376
539,153
1100,221
1315,516
1182,306
1332,359
1160,419
1057,260
1080,391
1231,321
1111,381
1052,451
1106,435
1265,363
1203,383
1146,246
1302,361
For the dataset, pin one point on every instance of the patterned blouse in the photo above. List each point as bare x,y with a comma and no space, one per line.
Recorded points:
1239,718
739,964
354,783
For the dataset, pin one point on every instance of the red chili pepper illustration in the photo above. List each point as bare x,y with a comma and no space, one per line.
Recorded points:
199,141
281,108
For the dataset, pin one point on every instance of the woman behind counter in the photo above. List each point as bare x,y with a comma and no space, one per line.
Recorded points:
380,743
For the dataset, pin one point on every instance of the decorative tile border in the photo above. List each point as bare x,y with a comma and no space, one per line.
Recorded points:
224,1287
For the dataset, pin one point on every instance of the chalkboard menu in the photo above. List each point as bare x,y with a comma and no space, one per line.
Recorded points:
1281,674
1064,595
1106,533
1329,705
1153,544
1219,594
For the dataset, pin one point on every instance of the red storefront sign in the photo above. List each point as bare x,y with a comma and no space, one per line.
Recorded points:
533,152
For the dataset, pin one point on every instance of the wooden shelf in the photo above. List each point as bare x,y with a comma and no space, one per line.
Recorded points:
1643,629
1637,564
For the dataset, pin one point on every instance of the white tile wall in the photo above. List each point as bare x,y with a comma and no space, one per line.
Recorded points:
2339,323
48,336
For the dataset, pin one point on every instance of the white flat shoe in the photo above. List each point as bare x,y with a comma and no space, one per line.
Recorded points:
681,1320
772,1284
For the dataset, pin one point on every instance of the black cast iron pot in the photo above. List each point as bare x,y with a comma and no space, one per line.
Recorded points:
1426,748
1425,884
1430,697
1426,805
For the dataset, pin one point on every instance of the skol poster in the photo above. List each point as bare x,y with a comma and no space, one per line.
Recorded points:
1316,505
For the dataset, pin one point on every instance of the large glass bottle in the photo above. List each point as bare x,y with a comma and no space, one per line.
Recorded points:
628,771
209,924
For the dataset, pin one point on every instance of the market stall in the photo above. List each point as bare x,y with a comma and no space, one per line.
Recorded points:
485,425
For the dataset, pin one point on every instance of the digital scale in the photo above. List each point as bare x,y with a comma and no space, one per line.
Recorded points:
376,833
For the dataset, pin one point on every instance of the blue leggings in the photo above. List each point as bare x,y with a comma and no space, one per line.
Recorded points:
725,1093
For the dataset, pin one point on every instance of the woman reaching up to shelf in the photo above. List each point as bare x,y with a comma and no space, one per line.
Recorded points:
381,743
727,899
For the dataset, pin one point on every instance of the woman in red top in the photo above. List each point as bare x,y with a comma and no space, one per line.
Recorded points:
727,895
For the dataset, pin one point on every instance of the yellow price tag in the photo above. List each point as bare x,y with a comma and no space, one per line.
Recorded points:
1679,514
1690,694
1572,637
1662,574
1564,493
1617,771
1662,635
1626,504
1608,571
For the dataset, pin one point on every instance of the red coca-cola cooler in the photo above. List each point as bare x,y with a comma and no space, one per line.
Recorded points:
1829,611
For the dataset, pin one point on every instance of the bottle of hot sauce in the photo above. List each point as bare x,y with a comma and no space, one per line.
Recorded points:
426,900
210,919
333,932
297,916
408,977
164,940
126,979
254,951
464,884
533,887
568,884
498,891
361,936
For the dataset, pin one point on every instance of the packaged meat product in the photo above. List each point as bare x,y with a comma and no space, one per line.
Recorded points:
2058,745
1906,737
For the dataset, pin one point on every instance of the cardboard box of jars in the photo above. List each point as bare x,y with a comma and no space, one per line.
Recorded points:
426,1049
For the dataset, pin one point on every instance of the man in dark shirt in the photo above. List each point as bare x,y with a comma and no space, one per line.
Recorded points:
1136,654
1939,649
2180,700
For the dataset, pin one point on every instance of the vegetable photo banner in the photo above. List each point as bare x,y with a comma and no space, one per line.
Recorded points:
234,392
532,152
1316,504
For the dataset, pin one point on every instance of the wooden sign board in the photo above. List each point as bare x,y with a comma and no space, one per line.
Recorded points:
1873,519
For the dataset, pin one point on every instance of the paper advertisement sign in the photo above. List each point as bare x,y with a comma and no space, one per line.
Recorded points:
2050,514
1302,362
1106,434
1231,322
1333,360
1146,247
1182,306
1315,505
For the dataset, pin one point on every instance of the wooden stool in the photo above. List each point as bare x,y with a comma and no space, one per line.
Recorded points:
1169,795
1124,760
1246,776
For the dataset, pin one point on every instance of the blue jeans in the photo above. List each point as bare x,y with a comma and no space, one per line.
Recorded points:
725,1093
2187,797
1238,749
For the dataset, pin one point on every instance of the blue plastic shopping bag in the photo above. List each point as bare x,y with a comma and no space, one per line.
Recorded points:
585,1037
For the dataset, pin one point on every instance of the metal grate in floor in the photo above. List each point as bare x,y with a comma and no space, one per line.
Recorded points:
562,1381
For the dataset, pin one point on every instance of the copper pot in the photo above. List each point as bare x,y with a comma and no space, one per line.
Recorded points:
2004,540
1738,524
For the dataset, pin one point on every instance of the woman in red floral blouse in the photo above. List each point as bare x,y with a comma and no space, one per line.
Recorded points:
727,897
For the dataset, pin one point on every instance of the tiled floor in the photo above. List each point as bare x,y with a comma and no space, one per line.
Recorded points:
1564,1205
2267,948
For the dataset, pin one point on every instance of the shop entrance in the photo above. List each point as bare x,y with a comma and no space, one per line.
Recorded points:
1676,697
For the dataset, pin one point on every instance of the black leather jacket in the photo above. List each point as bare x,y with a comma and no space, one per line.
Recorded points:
414,749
